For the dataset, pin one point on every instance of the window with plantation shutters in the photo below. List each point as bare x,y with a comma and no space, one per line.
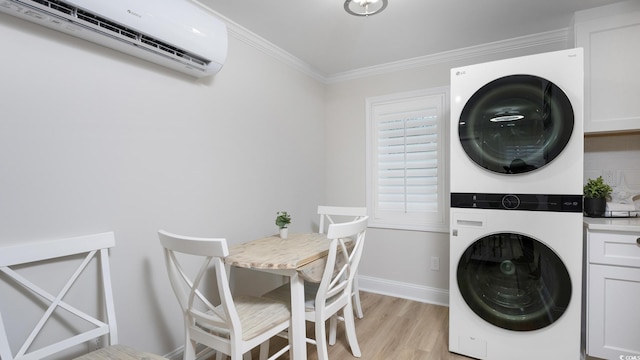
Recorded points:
405,167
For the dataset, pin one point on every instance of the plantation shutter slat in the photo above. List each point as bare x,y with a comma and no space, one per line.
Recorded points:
407,159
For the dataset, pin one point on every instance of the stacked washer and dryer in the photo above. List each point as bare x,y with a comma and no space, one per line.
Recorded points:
516,208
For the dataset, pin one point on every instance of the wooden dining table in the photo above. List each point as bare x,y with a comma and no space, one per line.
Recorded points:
300,256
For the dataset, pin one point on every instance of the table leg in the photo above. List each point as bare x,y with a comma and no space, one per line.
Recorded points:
298,331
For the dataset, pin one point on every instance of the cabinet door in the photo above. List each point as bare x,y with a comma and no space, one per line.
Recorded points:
614,318
612,72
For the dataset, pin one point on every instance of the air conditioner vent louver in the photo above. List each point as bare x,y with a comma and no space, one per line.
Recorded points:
63,13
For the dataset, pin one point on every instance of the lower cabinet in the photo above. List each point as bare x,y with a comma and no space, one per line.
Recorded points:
613,295
614,311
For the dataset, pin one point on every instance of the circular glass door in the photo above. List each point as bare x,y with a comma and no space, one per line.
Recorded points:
516,124
514,281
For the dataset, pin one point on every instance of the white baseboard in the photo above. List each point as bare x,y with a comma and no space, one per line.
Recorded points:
402,290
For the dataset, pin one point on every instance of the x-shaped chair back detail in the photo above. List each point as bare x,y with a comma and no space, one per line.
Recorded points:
93,248
221,321
336,287
337,281
329,215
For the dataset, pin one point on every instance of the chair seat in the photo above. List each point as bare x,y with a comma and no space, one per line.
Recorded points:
283,294
257,315
120,352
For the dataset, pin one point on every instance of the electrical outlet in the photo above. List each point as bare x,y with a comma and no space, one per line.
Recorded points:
97,343
435,263
609,177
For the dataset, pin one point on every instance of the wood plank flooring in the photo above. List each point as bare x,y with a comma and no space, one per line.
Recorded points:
392,329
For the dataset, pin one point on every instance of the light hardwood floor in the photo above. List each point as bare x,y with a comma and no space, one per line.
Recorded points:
392,329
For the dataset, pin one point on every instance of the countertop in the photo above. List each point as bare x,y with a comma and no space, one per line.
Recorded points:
612,224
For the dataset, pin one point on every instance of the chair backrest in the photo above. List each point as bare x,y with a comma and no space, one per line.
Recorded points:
329,215
20,261
183,253
337,278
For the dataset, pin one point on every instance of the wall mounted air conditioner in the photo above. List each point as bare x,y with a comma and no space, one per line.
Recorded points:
178,34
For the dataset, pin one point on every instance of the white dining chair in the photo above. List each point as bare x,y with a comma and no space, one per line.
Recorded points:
332,215
31,269
324,300
234,326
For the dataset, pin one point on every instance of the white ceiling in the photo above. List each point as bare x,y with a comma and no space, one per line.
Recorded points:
324,36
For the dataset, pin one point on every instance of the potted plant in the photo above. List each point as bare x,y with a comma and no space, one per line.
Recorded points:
596,192
282,221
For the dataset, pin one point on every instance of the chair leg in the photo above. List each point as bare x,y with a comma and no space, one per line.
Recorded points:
264,350
321,340
333,329
350,329
356,298
189,349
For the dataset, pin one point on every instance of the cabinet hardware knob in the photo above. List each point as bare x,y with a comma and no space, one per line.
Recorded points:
638,241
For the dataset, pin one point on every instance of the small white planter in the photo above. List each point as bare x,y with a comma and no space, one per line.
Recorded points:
284,232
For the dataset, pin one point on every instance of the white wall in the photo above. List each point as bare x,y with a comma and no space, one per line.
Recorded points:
92,140
393,262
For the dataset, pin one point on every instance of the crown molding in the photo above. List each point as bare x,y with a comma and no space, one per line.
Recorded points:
272,50
261,44
560,36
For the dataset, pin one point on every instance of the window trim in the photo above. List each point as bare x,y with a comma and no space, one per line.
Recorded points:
441,222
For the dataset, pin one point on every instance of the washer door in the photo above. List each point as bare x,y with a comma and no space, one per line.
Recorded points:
514,281
516,124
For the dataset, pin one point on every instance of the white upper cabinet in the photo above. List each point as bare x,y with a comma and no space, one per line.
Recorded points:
610,36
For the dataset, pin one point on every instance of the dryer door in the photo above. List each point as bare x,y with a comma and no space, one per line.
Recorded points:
516,124
514,281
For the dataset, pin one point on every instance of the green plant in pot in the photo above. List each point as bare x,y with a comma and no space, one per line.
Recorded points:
283,219
596,192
